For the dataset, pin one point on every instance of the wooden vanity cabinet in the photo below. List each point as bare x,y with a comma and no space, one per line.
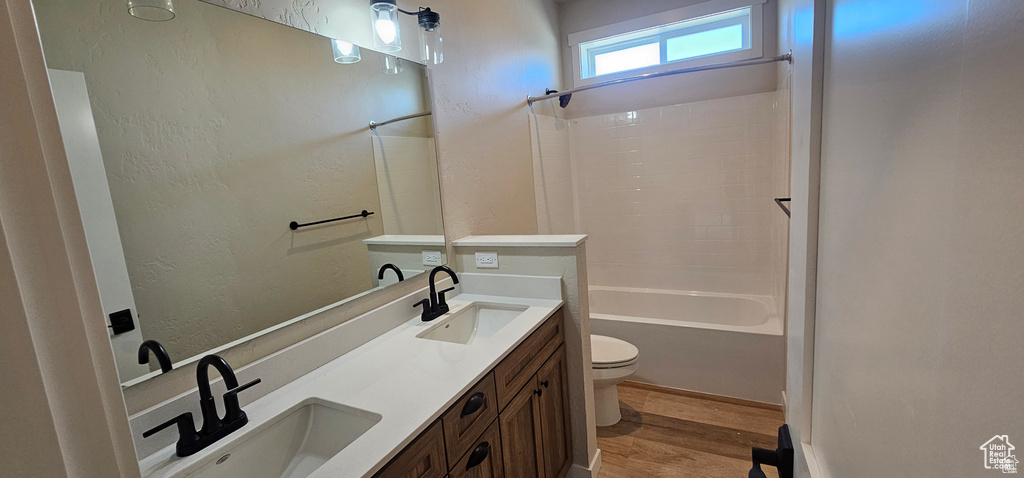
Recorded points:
535,433
424,458
513,423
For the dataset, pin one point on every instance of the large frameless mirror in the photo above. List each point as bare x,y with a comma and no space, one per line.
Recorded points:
226,173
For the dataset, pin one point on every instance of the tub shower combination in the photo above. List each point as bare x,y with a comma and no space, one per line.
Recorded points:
721,344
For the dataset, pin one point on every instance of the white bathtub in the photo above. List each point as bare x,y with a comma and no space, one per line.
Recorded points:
722,344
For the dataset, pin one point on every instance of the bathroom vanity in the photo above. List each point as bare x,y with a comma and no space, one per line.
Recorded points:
479,392
513,423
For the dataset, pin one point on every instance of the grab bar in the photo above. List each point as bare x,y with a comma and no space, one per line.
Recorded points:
779,201
294,225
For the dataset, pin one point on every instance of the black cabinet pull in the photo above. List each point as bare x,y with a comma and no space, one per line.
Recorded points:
473,404
539,392
545,384
479,455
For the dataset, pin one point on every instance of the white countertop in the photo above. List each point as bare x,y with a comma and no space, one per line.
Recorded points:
405,240
560,240
409,381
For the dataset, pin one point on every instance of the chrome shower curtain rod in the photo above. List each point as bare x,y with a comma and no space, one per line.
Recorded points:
788,57
374,124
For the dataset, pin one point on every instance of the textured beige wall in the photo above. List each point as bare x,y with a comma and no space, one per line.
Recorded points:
579,15
496,53
217,130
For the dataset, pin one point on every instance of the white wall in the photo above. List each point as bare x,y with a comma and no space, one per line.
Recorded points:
801,23
918,329
579,15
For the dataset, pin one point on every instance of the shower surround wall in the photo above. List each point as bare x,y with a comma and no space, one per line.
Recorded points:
677,197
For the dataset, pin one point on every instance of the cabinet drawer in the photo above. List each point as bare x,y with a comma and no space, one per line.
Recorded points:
469,417
518,368
483,458
424,458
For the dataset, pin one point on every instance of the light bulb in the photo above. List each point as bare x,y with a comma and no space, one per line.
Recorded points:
385,29
345,52
387,36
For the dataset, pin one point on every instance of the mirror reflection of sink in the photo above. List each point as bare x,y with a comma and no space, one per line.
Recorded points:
474,320
295,444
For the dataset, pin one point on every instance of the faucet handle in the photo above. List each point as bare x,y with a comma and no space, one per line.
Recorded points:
232,411
234,391
426,308
186,426
442,306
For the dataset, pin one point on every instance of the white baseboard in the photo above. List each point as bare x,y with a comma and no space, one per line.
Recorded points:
812,461
578,471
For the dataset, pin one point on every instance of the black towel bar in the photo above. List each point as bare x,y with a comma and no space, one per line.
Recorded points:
294,225
779,201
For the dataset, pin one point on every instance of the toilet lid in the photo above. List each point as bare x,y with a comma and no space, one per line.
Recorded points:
607,351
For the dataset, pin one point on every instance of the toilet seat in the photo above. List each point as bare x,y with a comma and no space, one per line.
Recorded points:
610,352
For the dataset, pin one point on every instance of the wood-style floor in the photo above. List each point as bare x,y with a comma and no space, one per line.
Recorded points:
670,433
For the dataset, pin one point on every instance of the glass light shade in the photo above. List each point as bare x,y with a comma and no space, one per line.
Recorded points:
345,52
151,10
387,35
391,65
431,51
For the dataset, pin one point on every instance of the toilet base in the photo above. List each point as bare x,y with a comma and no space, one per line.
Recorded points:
606,403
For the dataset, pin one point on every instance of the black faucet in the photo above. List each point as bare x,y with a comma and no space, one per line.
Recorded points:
214,428
380,273
435,306
159,351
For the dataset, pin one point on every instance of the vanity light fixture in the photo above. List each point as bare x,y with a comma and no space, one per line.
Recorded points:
384,18
391,65
151,10
387,35
345,52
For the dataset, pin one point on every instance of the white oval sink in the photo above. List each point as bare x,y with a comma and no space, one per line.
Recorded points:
293,444
474,320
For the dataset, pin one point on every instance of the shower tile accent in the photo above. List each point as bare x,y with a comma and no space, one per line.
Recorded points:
410,204
677,197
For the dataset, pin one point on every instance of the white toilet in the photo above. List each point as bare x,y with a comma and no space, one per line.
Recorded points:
614,361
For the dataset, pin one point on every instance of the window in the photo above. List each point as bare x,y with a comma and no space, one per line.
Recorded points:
710,32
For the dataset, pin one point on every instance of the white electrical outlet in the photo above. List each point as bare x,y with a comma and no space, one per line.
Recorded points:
431,258
487,260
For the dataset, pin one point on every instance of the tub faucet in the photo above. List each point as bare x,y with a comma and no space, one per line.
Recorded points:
214,428
435,305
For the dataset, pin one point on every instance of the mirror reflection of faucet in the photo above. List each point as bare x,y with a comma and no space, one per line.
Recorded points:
159,351
214,427
385,267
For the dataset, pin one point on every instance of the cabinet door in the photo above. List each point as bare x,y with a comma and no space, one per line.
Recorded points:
483,459
424,458
554,415
520,434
